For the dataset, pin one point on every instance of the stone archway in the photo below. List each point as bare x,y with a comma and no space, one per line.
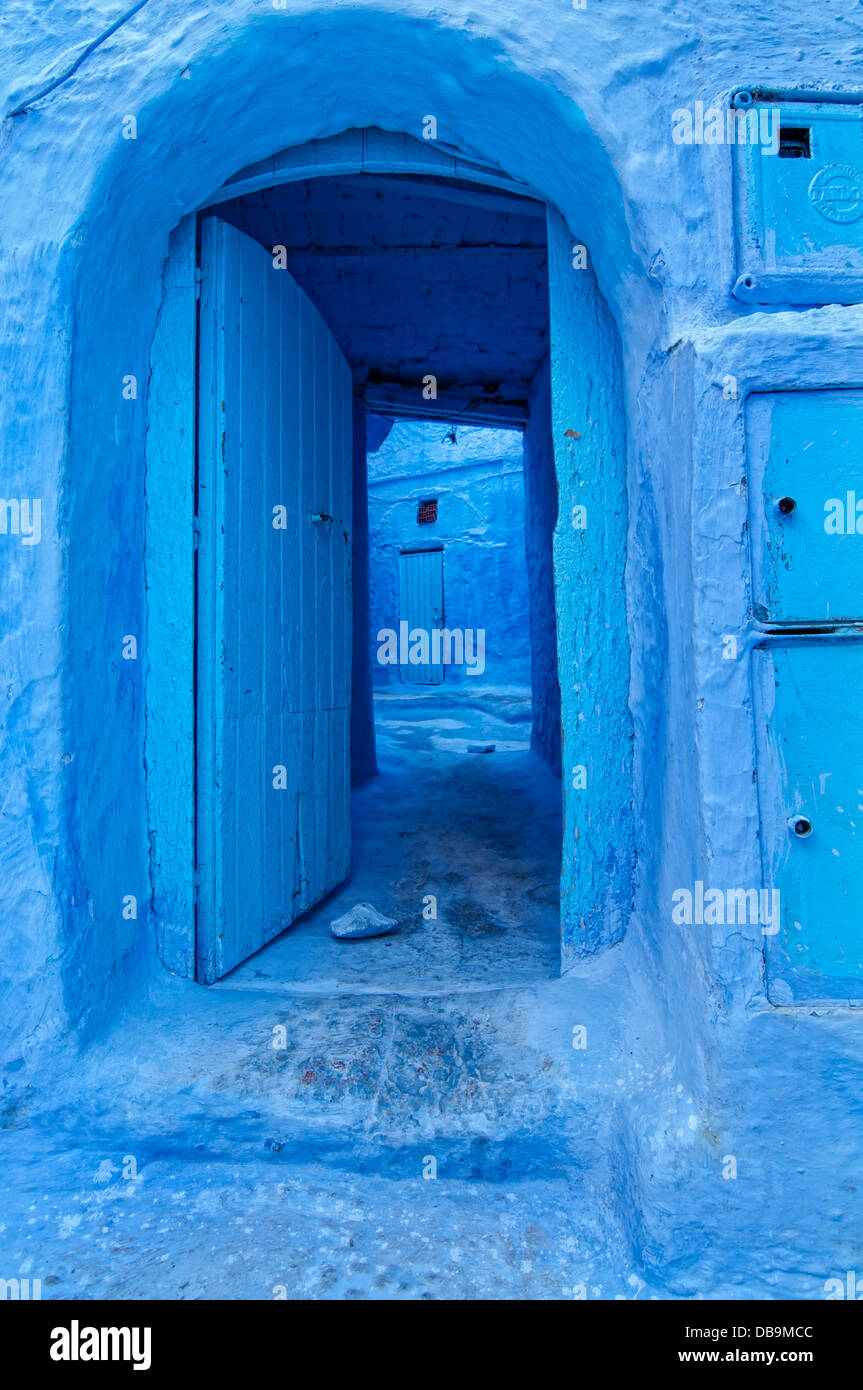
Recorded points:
305,78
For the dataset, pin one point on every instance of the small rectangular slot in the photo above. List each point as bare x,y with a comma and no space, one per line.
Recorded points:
794,142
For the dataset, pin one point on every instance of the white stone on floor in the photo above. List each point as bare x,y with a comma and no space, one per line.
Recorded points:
360,922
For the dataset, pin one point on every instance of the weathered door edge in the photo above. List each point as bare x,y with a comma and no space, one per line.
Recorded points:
169,565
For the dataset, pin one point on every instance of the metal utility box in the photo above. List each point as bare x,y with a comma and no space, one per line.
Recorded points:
798,200
810,782
805,476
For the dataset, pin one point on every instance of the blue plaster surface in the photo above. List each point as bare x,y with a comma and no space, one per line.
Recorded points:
692,1063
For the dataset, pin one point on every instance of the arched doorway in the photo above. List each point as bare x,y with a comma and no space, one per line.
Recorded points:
579,384
140,195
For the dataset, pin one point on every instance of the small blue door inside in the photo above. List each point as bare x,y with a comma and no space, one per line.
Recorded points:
421,607
273,603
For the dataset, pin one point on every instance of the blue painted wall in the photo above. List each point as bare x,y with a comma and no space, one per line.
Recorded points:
478,483
579,105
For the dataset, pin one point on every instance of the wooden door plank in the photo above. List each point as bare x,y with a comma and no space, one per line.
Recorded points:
273,604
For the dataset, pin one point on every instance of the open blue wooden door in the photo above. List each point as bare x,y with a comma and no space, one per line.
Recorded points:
274,603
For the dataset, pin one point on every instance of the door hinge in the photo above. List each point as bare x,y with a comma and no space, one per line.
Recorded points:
196,532
199,275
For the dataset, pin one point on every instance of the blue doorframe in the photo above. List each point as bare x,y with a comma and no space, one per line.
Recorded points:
593,643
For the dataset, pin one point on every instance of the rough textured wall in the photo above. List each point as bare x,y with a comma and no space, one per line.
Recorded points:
577,103
478,483
540,505
594,643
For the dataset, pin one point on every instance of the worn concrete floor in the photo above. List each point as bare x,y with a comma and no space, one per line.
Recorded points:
280,1123
478,832
406,1117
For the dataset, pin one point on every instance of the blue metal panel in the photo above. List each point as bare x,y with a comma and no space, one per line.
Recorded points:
806,477
421,607
810,205
800,219
273,666
811,774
